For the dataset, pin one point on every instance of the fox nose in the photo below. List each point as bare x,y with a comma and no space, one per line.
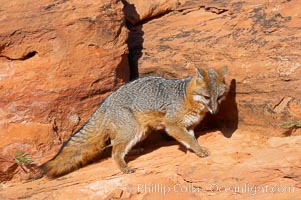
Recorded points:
213,111
213,108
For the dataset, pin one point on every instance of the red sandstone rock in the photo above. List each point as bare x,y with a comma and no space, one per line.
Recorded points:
58,61
165,170
141,10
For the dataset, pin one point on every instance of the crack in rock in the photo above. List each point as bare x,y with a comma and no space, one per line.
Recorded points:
25,57
212,9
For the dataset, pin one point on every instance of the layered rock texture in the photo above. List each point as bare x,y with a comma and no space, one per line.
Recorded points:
247,166
60,59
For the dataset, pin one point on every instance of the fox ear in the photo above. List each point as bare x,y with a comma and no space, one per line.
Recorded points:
200,73
223,70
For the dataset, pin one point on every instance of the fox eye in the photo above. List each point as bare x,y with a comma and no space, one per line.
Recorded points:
207,97
219,98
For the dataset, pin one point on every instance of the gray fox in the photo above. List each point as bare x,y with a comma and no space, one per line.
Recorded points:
129,115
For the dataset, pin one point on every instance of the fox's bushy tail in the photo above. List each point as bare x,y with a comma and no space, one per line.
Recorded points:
80,149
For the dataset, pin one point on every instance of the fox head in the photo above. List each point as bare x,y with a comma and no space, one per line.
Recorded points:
209,88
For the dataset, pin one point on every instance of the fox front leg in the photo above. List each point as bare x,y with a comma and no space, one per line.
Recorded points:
187,138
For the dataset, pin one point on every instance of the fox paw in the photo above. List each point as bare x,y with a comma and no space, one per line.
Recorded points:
128,170
204,152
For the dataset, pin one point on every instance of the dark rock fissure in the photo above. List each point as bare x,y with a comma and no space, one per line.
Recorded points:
25,57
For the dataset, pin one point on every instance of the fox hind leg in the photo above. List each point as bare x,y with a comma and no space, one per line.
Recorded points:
118,154
123,144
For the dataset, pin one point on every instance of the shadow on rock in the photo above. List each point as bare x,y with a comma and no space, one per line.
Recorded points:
135,38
